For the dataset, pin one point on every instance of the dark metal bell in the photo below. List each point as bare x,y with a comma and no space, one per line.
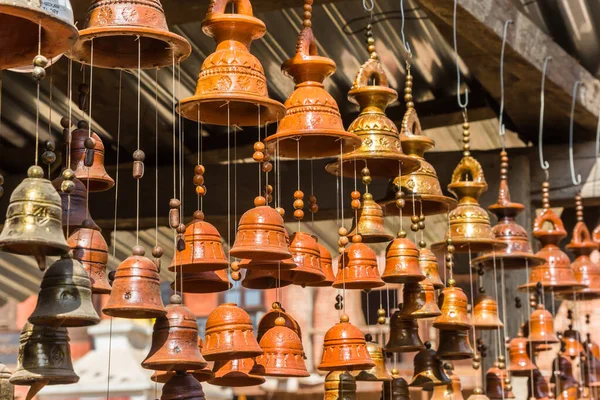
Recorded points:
396,389
340,385
7,390
494,384
419,300
404,335
454,345
182,386
65,297
428,371
571,340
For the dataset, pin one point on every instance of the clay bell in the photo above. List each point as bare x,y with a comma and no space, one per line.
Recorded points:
44,357
586,271
261,235
283,355
454,345
370,222
229,334
182,386
90,248
428,371
454,313
357,268
7,390
494,384
451,391
268,321
419,301
114,27
429,266
402,262
378,372
520,363
344,348
203,249
175,340
478,395
65,297
21,20
94,177
262,279
33,223
326,266
571,340
312,125
203,282
201,375
231,75
305,254
396,389
542,326
485,313
268,266
562,369
74,208
235,373
136,289
404,335
340,385
541,391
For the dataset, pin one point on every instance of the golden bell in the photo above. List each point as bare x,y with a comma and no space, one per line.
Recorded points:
541,391
542,326
404,335
419,301
429,266
402,262
305,253
571,341
454,345
7,389
340,385
94,177
378,372
494,384
396,389
182,386
454,314
344,348
428,371
44,356
370,222
520,363
485,313
91,249
357,268
65,297
33,224
74,206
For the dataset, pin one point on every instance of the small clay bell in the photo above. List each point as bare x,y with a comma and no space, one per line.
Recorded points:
326,266
402,262
268,321
520,363
370,222
91,249
182,386
404,335
344,348
357,269
429,267
454,314
494,384
419,301
235,373
306,253
485,313
571,340
454,345
542,326
94,177
428,371
283,355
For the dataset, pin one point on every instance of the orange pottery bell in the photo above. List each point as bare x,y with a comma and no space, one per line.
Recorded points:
542,326
454,314
270,266
429,267
326,266
229,334
370,222
268,321
428,371
454,345
182,386
357,268
201,375
262,279
136,289
306,253
419,301
571,340
340,385
485,313
202,282
541,391
235,373
402,262
90,248
232,76
344,348
404,335
175,340
378,372
122,34
520,363
283,355
494,384
74,209
95,177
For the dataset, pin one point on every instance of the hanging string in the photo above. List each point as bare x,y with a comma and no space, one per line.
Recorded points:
404,42
342,224
458,84
528,323
501,127
156,156
229,189
199,160
37,103
91,96
498,332
503,290
477,383
139,89
298,164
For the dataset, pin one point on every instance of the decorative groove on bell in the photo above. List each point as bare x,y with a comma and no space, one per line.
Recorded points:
33,224
203,282
370,222
44,356
396,389
65,297
586,271
95,177
571,341
419,301
541,390
268,321
7,390
235,373
283,355
402,262
344,348
485,313
378,372
74,212
306,254
357,269
520,363
542,326
262,279
428,371
340,385
231,75
90,248
326,263
404,335
182,387
454,345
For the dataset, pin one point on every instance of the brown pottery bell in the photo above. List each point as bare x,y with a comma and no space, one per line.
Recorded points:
231,75
90,248
262,279
586,271
357,268
562,374
419,301
268,321
429,266
378,372
485,313
123,33
520,363
65,297
396,389
182,386
404,335
541,391
454,345
136,289
402,262
451,391
201,375
74,208
454,313
542,326
203,282
495,386
326,266
428,371
306,253
283,355
44,357
235,373
571,340
7,389
33,224
229,334
340,385
370,222
95,178
344,348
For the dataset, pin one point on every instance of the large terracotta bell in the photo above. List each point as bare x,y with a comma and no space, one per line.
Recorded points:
518,254
268,321
65,297
419,301
485,313
541,391
344,348
326,262
402,262
90,248
203,282
428,371
235,373
494,384
454,313
396,389
7,389
370,222
340,385
312,126
262,279
572,343
520,363
261,235
20,21
542,326
136,289
44,357
357,268
33,224
175,341
429,266
231,75
306,253
378,372
283,355
182,386
404,335
201,375
454,345
229,334
74,208
121,31
95,178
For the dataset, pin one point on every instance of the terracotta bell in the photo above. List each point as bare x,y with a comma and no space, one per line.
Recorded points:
563,370
201,375
541,391
370,222
586,271
229,334
306,253
90,248
485,313
74,209
572,343
182,386
283,355
378,372
396,389
269,266
203,249
136,289
518,253
95,178
203,282
404,335
402,262
340,385
326,262
454,345
262,279
33,223
312,125
494,384
542,326
429,266
357,268
261,235
175,341
7,389
44,357
478,395
428,371
20,16
520,363
235,373
454,313
232,75
113,28
419,301
268,321
344,348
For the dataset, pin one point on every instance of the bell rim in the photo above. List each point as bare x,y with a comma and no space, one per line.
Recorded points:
433,204
231,354
380,166
133,312
168,364
96,185
476,245
275,253
514,260
32,378
456,356
304,276
274,284
363,284
199,265
288,143
281,266
561,286
207,286
488,326
243,380
332,366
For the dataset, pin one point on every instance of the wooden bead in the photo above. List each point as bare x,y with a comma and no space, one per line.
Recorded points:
174,218
199,215
281,211
258,156
235,266
298,194
342,231
236,276
298,204
259,201
174,203
298,214
312,199
201,190
355,194
269,189
355,204
266,167
198,180
259,146
356,238
343,241
138,169
313,208
199,169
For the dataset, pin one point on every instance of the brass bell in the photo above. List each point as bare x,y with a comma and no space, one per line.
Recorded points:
402,262
344,348
306,254
33,224
520,363
235,373
454,345
44,356
74,206
571,340
494,384
454,314
428,371
370,222
94,177
7,390
262,279
65,297
378,372
485,313
542,326
340,385
404,335
182,386
541,391
357,268
326,266
419,300
91,249
396,389
429,266
203,282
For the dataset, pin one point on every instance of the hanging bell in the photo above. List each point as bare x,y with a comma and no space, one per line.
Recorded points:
520,363
229,334
378,372
542,326
203,282
94,177
454,345
305,253
283,355
316,131
454,313
262,279
201,375
182,386
571,341
451,391
478,395
495,386
562,376
136,289
357,268
269,266
541,391
326,266
419,301
592,349
65,297
428,371
404,335
120,34
33,219
231,75
370,222
402,262
485,313
44,357
340,385
396,389
586,271
235,373
74,206
344,348
7,390
268,321
429,266
90,248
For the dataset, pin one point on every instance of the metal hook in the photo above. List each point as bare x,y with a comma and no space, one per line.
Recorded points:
576,179
404,42
460,103
544,164
501,127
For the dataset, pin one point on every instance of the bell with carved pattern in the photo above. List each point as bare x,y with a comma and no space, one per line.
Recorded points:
262,279
235,373
182,386
542,326
429,266
419,301
396,389
357,268
370,222
485,313
33,224
306,253
65,297
344,348
74,206
402,262
520,363
340,385
495,387
572,344
429,370
378,372
326,262
90,248
541,391
93,175
454,345
404,335
7,390
268,321
454,313
202,282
